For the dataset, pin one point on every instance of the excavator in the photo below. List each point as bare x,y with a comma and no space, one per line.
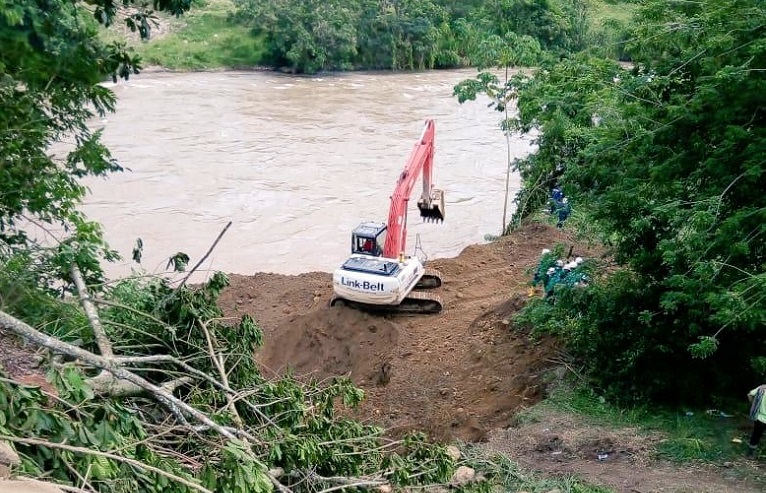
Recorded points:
379,276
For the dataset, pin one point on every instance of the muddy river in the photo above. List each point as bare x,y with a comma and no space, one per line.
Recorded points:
294,162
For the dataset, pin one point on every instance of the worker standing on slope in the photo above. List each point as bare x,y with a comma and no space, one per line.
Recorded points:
757,398
554,202
563,211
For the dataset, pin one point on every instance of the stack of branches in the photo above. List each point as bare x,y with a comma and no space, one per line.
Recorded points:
253,423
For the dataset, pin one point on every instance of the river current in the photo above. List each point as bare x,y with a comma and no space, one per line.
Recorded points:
294,162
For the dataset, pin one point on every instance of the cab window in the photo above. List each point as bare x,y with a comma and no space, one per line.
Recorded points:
365,245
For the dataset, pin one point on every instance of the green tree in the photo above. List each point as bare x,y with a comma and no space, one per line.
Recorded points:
51,66
305,35
506,53
554,24
668,157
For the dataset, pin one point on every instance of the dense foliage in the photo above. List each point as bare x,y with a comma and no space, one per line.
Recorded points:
666,158
311,35
298,424
51,61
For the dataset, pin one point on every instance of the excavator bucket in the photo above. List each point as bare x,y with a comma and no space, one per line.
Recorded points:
432,210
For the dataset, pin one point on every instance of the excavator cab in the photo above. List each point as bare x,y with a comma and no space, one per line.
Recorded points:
432,208
369,239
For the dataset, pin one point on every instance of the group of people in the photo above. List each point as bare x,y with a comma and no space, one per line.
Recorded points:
559,205
552,271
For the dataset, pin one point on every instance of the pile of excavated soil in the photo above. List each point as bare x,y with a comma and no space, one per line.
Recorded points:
457,374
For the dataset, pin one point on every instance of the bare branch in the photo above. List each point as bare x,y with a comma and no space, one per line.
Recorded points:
106,384
218,362
204,257
114,304
119,458
72,488
343,482
175,405
104,345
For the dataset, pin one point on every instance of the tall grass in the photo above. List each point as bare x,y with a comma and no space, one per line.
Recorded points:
203,39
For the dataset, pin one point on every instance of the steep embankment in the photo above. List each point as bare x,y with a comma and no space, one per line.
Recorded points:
456,374
465,372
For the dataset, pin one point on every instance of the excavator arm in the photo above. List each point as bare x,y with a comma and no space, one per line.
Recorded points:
431,201
391,281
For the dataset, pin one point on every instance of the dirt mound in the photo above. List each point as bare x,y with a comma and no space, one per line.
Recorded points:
457,374
326,343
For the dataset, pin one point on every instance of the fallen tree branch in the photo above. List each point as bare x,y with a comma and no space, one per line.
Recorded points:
114,304
106,384
119,458
104,345
73,489
218,362
175,405
342,483
82,479
204,257
171,402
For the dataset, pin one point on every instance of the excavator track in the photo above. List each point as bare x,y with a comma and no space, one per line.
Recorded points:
431,279
416,303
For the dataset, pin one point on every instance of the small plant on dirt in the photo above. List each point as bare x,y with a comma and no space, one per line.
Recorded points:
502,471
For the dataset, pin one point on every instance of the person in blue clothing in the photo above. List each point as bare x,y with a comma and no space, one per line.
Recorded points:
557,195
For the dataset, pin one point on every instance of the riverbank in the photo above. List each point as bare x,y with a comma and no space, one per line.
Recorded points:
206,38
470,374
203,39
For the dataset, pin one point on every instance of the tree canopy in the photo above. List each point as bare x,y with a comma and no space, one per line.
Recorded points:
52,62
310,35
666,159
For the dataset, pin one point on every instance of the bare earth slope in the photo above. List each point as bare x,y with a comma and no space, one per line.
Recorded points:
457,374
461,374
464,373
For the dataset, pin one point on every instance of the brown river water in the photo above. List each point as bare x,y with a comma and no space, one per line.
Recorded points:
294,162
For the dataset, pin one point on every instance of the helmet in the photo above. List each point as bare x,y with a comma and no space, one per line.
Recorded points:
579,260
565,200
568,267
559,263
545,250
572,265
550,270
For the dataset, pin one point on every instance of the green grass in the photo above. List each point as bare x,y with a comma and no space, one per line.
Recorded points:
508,476
608,22
604,12
203,39
690,434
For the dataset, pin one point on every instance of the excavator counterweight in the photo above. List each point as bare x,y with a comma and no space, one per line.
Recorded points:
379,276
